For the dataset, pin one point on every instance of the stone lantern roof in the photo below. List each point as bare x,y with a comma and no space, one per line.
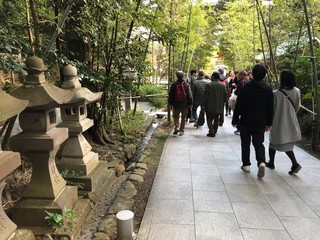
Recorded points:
10,106
81,94
40,93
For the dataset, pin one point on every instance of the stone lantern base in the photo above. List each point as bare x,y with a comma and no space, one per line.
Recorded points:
94,181
31,212
8,162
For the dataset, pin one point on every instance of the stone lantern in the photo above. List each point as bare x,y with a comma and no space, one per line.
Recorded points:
9,161
77,160
39,141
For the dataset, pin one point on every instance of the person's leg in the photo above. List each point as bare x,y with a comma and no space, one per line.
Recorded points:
295,165
209,117
176,113
216,122
194,112
227,108
221,119
257,141
272,154
292,157
184,112
245,137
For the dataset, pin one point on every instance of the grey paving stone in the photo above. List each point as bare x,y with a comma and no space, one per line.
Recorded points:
225,156
172,232
263,234
176,174
236,178
310,195
256,215
172,211
145,225
204,170
175,163
274,187
222,226
207,183
204,159
175,190
244,193
289,205
205,201
300,180
302,228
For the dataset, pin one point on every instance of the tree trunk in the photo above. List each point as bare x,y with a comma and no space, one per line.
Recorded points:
273,65
35,20
29,25
315,133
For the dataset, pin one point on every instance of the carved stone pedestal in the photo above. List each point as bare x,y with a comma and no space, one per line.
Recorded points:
8,162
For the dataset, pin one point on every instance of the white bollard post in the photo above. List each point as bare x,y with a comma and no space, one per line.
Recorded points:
125,225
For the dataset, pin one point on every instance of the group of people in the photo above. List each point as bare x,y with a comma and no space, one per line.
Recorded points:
257,109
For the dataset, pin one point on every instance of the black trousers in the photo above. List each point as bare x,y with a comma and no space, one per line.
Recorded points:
257,136
212,122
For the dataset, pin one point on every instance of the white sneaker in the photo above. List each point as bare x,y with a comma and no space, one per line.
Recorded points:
181,133
245,168
261,169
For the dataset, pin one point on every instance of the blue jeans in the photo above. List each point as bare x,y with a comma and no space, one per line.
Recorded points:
194,112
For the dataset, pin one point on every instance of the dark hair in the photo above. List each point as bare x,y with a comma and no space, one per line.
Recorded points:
179,75
193,71
287,79
215,75
259,71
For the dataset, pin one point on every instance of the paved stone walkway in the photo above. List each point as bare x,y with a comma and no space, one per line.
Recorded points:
200,192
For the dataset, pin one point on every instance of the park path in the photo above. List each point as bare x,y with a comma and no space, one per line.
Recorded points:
200,192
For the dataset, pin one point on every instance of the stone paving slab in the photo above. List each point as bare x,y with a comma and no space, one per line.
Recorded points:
200,192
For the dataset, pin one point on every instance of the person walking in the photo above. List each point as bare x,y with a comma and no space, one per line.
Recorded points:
242,80
254,112
286,130
180,99
191,81
214,96
198,92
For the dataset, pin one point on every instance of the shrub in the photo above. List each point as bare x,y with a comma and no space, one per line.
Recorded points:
150,89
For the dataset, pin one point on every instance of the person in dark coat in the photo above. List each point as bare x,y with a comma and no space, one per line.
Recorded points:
180,107
254,112
215,95
198,91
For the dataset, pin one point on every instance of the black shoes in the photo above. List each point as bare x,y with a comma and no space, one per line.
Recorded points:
270,165
175,132
211,135
295,169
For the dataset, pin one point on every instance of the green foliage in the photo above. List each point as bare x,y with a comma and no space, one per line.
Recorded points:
133,124
61,222
151,89
8,87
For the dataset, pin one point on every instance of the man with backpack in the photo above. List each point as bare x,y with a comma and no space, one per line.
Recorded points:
180,99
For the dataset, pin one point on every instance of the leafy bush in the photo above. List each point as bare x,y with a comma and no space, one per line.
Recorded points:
57,221
150,89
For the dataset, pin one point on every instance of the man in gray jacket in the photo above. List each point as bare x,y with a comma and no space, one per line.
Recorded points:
198,92
214,96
